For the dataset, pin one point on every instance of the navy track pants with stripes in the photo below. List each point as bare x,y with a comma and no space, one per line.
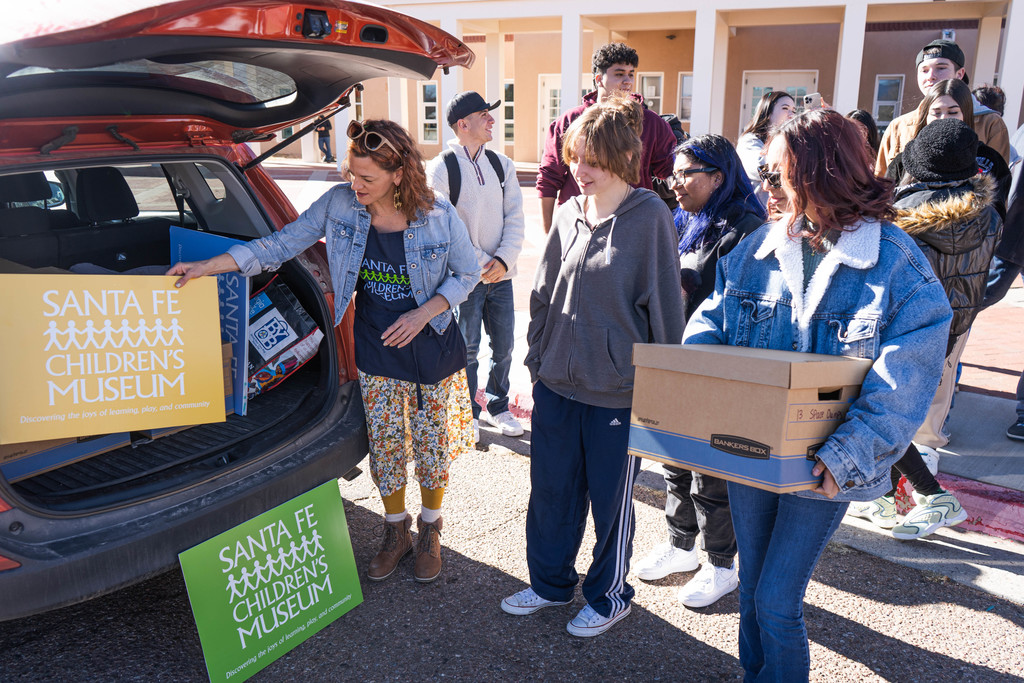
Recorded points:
578,456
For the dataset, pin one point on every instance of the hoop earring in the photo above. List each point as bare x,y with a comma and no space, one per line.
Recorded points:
397,199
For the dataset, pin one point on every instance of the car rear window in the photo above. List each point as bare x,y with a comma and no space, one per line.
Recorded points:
224,80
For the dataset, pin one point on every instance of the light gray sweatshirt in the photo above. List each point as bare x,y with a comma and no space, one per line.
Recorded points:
599,291
493,217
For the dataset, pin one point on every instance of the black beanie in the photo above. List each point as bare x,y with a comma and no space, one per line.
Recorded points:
945,150
942,48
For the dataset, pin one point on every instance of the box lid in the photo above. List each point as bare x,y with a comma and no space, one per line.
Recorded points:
787,369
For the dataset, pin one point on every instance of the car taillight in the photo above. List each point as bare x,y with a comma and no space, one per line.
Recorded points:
4,505
7,563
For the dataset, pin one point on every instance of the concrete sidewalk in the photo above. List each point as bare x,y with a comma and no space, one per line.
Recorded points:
981,466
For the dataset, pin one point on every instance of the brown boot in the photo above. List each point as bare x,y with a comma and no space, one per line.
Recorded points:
428,550
397,543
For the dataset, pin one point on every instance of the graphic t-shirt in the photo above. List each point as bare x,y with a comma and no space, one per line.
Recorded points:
383,293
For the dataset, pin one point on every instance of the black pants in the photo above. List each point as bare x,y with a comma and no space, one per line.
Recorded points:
696,502
912,466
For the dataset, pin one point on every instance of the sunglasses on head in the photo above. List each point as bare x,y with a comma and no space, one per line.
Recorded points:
773,178
372,140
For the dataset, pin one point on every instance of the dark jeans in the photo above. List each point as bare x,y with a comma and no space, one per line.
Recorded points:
325,146
780,538
493,306
697,502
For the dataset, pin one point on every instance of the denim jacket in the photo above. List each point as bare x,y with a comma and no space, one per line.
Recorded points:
873,296
440,257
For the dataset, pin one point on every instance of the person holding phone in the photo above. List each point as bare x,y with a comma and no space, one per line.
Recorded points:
405,255
832,276
774,108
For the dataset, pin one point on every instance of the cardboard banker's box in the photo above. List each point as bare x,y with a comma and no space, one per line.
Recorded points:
753,416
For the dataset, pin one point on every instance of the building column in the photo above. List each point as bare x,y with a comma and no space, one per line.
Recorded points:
451,84
572,41
710,57
985,58
850,57
495,90
398,102
1011,75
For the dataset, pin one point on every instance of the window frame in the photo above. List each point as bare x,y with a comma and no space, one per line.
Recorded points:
509,110
897,104
421,113
660,75
679,95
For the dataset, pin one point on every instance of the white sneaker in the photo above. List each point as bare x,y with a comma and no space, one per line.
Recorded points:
708,585
506,424
588,623
527,602
476,431
666,559
931,514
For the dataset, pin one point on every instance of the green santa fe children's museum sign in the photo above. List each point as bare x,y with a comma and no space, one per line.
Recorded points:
260,589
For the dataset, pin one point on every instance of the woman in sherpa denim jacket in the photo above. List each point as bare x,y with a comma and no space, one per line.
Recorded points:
833,276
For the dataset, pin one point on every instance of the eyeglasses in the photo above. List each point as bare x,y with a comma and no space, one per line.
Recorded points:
680,177
773,178
372,140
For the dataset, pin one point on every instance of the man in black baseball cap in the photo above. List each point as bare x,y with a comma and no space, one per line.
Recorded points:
937,61
466,103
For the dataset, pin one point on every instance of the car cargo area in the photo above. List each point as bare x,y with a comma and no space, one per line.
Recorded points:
115,218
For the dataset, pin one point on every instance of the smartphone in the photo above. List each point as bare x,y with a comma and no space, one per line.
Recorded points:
812,101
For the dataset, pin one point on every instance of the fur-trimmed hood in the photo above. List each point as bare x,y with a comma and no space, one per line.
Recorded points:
950,217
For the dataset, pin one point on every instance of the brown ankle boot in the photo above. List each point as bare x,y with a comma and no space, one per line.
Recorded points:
397,543
428,550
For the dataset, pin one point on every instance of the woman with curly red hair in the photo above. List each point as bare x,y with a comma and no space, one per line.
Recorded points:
406,256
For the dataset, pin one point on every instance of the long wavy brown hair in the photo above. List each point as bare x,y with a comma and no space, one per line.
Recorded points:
827,168
416,196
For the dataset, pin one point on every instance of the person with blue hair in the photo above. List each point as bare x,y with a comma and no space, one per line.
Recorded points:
717,208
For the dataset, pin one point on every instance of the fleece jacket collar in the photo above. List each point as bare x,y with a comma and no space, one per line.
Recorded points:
857,247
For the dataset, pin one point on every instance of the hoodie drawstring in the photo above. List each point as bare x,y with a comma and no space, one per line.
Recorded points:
608,244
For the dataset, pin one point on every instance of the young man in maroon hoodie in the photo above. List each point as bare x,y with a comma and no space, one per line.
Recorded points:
614,69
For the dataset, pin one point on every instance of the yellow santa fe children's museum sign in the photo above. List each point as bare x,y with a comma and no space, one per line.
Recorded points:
93,354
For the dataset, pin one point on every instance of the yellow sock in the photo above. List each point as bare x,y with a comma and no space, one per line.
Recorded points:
431,504
394,504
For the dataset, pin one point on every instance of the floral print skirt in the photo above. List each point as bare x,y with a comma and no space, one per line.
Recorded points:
431,428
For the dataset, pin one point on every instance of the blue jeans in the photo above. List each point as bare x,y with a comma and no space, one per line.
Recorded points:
493,306
780,538
324,143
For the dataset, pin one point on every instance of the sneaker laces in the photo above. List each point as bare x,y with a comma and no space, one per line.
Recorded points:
588,614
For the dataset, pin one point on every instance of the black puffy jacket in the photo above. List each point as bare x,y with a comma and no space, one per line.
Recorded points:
957,227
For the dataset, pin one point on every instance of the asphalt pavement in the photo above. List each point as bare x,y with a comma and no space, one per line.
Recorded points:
950,607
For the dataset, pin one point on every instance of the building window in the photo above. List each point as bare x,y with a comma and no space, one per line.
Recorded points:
685,96
428,111
651,86
508,102
888,98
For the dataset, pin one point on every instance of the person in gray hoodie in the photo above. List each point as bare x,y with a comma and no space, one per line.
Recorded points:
609,278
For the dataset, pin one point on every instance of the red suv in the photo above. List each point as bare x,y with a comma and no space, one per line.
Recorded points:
109,135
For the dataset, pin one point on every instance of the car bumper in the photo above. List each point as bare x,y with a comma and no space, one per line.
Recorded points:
72,559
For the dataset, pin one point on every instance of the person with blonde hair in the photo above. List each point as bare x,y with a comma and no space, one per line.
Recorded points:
405,255
609,278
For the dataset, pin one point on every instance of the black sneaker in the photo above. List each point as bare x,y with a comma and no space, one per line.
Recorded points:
1016,430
